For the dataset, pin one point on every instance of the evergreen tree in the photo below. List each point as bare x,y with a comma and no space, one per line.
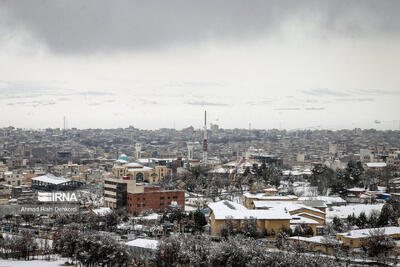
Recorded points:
199,219
362,220
337,224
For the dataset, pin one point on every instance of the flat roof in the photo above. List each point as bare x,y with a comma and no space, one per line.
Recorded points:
51,179
229,210
364,233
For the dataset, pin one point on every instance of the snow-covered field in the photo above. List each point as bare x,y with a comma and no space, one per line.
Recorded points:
344,211
32,263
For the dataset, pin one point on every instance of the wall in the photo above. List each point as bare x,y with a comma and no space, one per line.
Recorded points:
276,225
154,200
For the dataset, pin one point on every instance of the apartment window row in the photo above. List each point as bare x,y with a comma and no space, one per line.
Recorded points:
174,197
138,199
110,189
138,205
107,195
110,182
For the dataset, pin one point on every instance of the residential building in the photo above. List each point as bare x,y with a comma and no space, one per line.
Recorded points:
249,198
301,214
271,221
116,190
152,198
355,238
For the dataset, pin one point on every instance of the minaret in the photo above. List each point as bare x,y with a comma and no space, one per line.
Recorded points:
205,138
190,147
138,148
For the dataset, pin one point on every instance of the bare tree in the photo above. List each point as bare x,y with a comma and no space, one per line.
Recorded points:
378,245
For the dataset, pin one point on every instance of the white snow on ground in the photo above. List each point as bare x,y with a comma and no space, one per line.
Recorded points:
344,211
102,211
32,263
143,243
40,241
190,208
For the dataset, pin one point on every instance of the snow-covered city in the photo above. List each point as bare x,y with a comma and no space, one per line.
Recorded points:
199,133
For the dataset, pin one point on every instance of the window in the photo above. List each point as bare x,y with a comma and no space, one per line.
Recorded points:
161,204
169,197
175,197
138,198
144,199
144,205
139,177
161,197
351,242
320,231
138,205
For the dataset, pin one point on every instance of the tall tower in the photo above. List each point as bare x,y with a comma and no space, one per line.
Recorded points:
138,148
190,147
205,138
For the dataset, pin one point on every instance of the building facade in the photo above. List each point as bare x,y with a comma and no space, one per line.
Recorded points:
155,199
140,173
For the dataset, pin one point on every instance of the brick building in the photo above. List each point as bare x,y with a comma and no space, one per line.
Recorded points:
155,199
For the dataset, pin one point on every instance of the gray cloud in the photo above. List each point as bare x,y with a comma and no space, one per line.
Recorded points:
295,108
205,103
324,92
99,25
148,102
355,99
33,89
288,109
314,108
374,92
96,93
34,103
260,103
192,84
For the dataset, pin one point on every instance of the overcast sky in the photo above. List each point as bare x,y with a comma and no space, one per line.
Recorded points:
155,64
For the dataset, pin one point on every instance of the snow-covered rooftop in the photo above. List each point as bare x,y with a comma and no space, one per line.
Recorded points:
271,189
302,220
265,197
229,210
344,211
143,243
315,239
356,189
143,168
361,233
327,199
376,164
293,173
288,205
153,216
133,165
51,179
222,171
